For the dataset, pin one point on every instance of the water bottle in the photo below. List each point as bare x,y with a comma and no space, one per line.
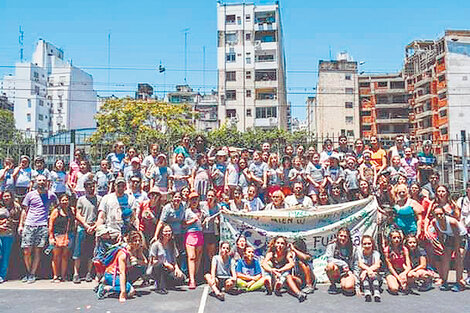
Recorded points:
49,249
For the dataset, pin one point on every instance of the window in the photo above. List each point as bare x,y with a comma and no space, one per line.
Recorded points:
382,100
230,76
248,74
382,84
266,36
265,58
349,119
366,113
231,113
230,56
397,85
239,20
29,103
248,93
36,90
265,75
248,60
442,95
231,38
350,133
366,127
231,95
248,36
266,112
41,102
464,77
28,117
36,75
248,17
248,112
347,76
348,105
444,131
230,19
443,113
349,90
265,17
266,94
364,84
40,117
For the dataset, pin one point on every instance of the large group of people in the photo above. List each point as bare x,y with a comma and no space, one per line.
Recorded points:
157,218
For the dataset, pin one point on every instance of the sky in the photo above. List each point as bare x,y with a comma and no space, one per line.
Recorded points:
145,33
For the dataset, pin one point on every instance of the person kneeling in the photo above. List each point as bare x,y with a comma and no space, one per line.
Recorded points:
222,275
115,276
249,275
163,267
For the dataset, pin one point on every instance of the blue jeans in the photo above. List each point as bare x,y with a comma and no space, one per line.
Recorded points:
6,242
110,280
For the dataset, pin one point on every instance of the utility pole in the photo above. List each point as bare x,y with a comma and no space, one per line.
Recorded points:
463,138
186,33
20,41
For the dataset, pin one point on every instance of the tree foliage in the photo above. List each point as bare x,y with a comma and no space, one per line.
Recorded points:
141,122
12,142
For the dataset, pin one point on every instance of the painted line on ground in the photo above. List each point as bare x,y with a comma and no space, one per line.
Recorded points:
202,304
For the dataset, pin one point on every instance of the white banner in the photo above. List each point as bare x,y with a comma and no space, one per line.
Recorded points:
316,226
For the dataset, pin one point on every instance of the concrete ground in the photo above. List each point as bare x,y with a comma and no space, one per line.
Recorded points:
45,296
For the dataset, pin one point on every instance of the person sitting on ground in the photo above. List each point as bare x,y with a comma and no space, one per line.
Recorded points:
163,267
340,259
278,263
223,274
418,273
249,274
397,259
367,269
303,265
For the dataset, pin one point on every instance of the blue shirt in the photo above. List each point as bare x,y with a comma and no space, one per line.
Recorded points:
252,269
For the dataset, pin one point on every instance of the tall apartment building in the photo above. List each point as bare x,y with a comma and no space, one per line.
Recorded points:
383,106
251,66
50,94
437,74
337,101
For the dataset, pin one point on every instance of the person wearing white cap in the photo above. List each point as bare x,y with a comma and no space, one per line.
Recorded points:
22,176
133,171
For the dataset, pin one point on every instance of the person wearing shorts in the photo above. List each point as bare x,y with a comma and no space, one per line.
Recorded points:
194,238
33,225
222,274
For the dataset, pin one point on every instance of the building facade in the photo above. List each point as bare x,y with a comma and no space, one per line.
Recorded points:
337,102
384,108
437,74
50,94
251,67
5,104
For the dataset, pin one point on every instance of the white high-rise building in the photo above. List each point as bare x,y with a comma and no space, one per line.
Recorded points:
50,94
337,103
251,66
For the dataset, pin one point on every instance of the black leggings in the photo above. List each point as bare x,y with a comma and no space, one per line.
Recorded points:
164,278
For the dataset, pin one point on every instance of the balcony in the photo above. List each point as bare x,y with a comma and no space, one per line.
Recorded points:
392,105
392,119
424,114
424,97
423,81
265,26
269,122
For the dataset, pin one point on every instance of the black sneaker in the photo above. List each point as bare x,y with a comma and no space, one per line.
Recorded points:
301,296
377,298
333,290
161,291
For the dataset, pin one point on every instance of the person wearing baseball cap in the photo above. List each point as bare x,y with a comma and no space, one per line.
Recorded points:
22,175
116,209
133,171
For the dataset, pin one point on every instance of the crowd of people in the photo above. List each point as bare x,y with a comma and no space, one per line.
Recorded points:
156,218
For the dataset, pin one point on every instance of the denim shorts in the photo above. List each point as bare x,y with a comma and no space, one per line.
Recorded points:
34,236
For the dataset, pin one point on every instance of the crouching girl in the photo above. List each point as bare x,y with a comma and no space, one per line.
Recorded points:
368,264
418,274
340,260
222,273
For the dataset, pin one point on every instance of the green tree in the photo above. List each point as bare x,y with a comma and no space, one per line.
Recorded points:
12,143
139,122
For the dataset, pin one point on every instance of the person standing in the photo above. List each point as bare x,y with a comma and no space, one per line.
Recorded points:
33,225
9,216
